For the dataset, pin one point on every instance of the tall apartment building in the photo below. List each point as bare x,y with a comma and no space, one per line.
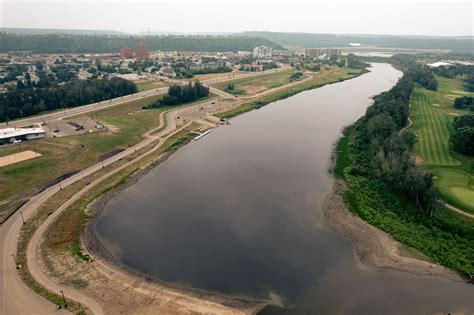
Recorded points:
312,52
262,52
141,51
318,52
126,52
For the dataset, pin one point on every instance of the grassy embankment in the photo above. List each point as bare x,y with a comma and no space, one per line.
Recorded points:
207,76
319,79
127,122
66,231
150,85
446,238
432,115
256,84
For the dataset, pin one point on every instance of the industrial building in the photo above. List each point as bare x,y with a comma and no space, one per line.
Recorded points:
13,135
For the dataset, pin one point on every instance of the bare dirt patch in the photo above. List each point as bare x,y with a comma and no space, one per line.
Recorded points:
418,160
111,128
18,157
373,247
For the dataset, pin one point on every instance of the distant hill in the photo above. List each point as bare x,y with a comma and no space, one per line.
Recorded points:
23,31
461,44
64,43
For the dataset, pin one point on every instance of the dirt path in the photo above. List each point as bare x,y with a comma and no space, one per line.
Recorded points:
109,278
457,210
109,282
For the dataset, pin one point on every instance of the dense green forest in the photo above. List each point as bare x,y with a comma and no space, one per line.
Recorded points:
379,149
388,189
25,101
456,44
53,43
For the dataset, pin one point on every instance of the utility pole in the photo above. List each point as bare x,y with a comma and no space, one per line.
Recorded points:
22,218
64,299
16,262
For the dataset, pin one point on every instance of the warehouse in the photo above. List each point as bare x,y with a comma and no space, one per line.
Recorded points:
13,135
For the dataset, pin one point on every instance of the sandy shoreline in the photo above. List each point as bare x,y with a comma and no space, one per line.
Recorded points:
147,287
373,247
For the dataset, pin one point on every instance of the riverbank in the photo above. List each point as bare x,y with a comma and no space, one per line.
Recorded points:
293,89
142,297
108,280
373,247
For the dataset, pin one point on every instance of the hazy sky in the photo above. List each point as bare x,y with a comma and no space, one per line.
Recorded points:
355,17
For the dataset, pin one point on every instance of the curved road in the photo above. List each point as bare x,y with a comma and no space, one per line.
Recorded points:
15,296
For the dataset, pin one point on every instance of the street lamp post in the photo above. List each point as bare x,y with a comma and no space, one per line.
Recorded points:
64,299
16,262
22,218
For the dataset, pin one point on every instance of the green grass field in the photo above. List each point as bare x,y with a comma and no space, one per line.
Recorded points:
146,86
127,122
432,114
256,84
320,79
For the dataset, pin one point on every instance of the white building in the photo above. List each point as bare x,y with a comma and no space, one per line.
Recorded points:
439,64
262,52
11,135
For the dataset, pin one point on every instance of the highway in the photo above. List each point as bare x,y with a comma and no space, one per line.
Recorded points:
15,296
120,100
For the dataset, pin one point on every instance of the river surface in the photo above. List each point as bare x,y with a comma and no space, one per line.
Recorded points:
239,212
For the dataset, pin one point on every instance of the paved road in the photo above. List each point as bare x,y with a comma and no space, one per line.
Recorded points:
82,109
15,296
120,100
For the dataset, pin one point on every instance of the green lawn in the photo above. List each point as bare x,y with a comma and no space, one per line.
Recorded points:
145,86
432,114
62,155
256,84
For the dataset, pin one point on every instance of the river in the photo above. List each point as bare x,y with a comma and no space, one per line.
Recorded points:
239,212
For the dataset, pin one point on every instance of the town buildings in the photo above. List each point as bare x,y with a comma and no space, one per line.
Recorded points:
262,52
140,52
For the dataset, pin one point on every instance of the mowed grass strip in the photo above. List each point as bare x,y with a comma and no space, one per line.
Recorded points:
432,115
456,186
431,125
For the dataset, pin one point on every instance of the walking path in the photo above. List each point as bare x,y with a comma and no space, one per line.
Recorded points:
17,297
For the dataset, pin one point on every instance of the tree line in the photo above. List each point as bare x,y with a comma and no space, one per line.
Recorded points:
464,102
378,147
111,44
466,71
181,94
462,44
462,137
27,101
